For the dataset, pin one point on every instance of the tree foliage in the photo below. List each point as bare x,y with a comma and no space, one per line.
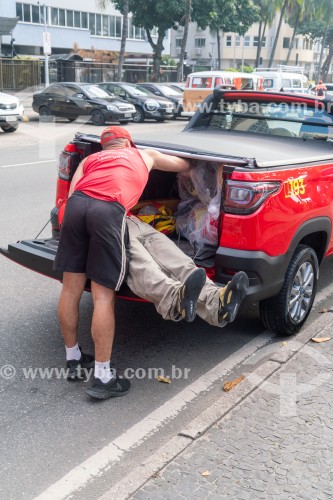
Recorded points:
160,14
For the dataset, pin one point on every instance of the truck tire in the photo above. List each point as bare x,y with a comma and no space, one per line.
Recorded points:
287,312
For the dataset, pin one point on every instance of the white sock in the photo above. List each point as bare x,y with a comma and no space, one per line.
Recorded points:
73,353
103,371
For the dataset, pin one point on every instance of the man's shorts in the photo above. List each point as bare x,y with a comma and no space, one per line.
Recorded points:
94,240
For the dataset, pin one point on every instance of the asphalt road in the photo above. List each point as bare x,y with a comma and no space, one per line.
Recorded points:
55,441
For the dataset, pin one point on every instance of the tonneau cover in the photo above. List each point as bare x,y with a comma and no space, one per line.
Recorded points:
262,151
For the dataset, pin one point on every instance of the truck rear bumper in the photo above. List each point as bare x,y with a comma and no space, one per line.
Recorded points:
266,273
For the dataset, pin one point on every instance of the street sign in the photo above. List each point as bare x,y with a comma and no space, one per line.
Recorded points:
47,43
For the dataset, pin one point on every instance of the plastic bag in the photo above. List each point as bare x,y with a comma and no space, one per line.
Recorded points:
198,213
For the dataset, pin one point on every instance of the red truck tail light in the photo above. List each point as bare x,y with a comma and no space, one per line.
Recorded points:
68,162
246,197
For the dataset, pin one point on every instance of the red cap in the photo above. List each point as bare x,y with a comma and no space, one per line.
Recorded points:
111,133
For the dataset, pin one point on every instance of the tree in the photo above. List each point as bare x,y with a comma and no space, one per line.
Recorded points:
187,19
225,16
123,7
267,11
160,14
281,5
320,29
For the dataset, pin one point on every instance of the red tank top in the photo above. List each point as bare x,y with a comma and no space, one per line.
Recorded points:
114,175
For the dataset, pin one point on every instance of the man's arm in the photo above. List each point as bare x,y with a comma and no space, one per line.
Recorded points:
78,174
159,161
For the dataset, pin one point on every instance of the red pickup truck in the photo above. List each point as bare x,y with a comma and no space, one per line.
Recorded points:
275,158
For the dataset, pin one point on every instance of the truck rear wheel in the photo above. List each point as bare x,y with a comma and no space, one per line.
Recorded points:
287,312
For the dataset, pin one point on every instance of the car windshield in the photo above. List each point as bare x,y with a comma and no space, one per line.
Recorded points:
296,120
133,90
169,91
94,91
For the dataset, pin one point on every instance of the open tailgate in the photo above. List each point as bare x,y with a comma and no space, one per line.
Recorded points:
37,255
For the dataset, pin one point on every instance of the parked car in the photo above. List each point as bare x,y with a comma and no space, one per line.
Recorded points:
272,156
176,85
147,105
71,100
175,96
11,112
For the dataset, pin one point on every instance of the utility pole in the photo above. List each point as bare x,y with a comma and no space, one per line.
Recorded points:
46,46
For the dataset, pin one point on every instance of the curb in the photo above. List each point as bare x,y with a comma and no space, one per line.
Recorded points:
201,424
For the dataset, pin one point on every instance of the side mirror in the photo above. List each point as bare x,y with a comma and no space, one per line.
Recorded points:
80,96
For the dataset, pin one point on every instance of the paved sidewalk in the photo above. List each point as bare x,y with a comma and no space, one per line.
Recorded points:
278,443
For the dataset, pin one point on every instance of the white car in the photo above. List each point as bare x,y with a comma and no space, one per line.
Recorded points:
11,112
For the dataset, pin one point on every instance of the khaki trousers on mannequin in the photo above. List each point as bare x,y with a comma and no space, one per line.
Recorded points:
158,268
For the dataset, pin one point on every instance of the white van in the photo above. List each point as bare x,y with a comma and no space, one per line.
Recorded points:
284,78
202,83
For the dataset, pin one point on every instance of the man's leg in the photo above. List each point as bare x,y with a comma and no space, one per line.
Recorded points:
103,321
68,311
68,307
105,383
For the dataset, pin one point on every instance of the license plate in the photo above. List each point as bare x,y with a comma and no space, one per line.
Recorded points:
128,115
10,118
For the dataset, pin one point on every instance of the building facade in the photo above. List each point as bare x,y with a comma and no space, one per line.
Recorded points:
72,24
239,51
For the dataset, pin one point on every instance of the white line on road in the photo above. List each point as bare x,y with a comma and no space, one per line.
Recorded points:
94,466
32,163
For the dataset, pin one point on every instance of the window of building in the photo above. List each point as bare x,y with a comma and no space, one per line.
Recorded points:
70,18
179,42
113,26
200,42
105,25
118,27
256,41
77,19
92,24
228,40
247,41
62,17
26,13
98,24
19,11
84,20
286,42
35,14
54,16
237,41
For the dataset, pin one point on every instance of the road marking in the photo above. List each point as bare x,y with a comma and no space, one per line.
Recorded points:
94,466
32,163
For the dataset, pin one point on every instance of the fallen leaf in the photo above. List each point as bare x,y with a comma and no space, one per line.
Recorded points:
284,343
230,385
206,473
323,310
165,380
320,339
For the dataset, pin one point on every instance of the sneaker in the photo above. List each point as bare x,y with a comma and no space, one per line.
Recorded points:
75,367
231,296
115,388
189,294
